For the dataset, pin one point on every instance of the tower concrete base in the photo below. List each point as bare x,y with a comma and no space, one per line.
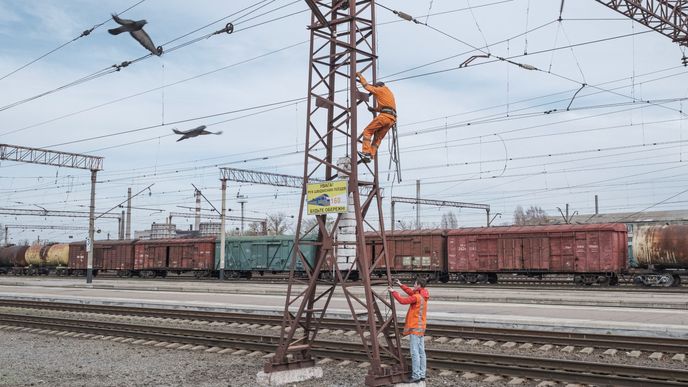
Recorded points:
418,384
280,378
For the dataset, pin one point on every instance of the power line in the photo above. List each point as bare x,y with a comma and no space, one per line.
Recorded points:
85,33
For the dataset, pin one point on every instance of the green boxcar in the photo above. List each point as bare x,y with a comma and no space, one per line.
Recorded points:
261,253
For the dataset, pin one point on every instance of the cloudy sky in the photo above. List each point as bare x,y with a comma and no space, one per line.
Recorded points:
491,133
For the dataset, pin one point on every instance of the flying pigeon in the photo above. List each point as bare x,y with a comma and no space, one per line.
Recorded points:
199,131
135,29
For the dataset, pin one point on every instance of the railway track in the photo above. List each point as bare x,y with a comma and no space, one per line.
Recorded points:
625,343
526,367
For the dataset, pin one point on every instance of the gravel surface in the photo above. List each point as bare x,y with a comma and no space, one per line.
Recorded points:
47,360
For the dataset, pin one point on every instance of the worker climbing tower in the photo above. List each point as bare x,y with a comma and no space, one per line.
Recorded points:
342,42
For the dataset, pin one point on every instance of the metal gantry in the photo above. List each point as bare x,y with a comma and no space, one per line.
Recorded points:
438,203
668,17
37,227
343,41
66,160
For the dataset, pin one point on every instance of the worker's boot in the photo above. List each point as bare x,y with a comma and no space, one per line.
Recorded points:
366,157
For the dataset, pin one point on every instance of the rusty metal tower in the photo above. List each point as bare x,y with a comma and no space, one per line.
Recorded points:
668,17
343,41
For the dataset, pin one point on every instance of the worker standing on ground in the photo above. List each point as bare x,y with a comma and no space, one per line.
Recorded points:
387,117
415,324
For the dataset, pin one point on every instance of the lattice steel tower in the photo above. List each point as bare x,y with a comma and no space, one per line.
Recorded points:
342,42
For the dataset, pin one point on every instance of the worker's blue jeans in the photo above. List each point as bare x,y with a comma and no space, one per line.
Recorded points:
418,362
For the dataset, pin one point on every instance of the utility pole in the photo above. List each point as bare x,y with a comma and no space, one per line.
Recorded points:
222,229
418,206
127,235
121,226
197,219
597,208
242,200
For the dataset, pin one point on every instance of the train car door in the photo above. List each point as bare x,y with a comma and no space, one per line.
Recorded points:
511,254
536,253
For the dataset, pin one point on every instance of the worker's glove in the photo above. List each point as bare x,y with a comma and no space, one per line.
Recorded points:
390,289
397,282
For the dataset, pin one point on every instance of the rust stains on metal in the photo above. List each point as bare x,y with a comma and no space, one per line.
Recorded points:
661,245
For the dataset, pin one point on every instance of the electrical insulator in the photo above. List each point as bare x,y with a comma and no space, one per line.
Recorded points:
404,16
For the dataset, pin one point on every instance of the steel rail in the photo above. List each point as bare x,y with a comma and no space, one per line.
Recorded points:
528,367
619,342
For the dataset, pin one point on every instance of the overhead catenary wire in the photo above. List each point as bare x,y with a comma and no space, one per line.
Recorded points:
229,29
85,33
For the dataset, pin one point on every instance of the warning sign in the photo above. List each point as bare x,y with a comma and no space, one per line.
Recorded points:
327,198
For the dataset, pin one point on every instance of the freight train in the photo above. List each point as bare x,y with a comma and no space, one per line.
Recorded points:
592,254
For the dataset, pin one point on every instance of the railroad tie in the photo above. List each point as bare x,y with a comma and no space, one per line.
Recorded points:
568,349
516,381
469,375
635,354
325,360
587,350
546,383
610,352
525,346
509,344
656,356
446,373
546,347
490,344
492,379
679,357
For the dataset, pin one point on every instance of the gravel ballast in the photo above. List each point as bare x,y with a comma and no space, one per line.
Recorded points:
47,360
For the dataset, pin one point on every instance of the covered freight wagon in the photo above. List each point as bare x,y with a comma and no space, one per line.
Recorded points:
592,252
247,254
417,251
154,258
108,255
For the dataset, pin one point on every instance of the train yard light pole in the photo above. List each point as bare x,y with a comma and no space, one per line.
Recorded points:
438,203
66,160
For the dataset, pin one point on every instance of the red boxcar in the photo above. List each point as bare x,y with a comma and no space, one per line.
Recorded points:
594,252
157,257
413,250
117,255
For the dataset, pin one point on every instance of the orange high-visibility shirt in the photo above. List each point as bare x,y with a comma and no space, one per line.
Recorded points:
415,323
384,96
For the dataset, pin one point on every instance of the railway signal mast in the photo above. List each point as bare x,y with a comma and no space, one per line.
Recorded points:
343,41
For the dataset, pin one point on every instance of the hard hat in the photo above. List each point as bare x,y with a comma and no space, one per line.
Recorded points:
379,84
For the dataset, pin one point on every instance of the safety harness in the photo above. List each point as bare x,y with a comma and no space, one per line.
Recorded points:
388,110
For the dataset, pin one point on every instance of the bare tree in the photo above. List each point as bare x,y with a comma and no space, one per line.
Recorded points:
254,228
449,220
534,215
278,223
405,225
519,216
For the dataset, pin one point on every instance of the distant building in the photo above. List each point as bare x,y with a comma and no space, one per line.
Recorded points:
629,218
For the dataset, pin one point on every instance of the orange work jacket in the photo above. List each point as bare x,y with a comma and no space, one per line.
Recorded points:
383,95
415,323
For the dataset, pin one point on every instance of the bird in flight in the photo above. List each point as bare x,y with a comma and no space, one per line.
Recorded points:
135,29
199,131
